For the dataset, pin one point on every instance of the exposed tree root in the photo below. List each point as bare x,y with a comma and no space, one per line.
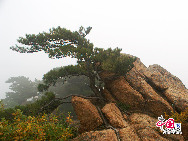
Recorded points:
107,125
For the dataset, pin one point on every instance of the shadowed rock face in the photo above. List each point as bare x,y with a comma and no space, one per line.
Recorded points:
146,90
124,93
169,79
108,96
146,128
105,135
114,115
128,134
154,103
173,88
87,113
177,97
149,134
140,121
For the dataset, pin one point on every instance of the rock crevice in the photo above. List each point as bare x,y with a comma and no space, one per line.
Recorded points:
148,91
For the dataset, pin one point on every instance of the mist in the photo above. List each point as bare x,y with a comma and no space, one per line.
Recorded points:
154,31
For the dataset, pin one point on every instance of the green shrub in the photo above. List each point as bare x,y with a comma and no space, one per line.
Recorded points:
124,64
33,108
178,118
124,107
119,65
45,127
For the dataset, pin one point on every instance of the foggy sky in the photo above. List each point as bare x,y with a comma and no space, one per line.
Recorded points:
154,31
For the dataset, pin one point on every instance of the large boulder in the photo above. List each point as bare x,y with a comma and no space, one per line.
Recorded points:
114,115
104,135
146,91
128,134
168,79
124,93
87,114
184,128
108,96
141,121
158,80
141,68
173,88
146,128
149,134
154,103
177,97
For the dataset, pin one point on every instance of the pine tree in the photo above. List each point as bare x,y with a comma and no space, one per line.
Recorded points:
60,42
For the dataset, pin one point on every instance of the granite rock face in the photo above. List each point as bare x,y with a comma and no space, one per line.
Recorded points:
124,93
105,135
148,134
141,121
128,134
154,103
146,128
172,87
148,91
87,114
114,115
108,96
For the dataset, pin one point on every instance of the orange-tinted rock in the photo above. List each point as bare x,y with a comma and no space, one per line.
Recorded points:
184,129
141,121
141,68
145,127
124,93
154,102
176,92
87,113
177,97
149,134
128,134
174,137
108,96
159,81
125,117
141,88
114,115
170,80
105,135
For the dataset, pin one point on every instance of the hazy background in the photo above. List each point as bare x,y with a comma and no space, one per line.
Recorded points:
154,31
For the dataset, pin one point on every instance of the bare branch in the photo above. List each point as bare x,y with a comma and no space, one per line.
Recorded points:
78,96
62,102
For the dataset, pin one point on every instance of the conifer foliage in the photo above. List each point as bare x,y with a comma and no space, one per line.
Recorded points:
60,42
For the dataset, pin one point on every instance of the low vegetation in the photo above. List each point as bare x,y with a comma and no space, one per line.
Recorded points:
178,118
122,106
41,127
32,109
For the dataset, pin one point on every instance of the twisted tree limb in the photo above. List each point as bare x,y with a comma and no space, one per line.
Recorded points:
59,100
108,126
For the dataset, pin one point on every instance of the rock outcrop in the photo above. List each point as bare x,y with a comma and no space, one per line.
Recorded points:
148,91
172,88
146,128
108,96
114,115
124,93
154,103
87,113
128,134
105,135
